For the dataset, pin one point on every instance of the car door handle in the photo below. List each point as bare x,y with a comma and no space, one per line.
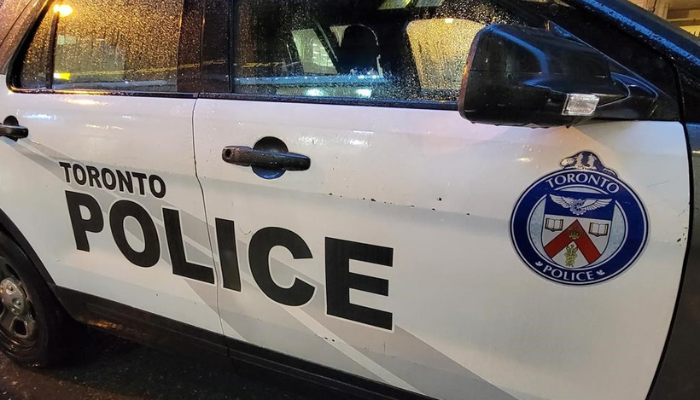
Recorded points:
14,132
249,157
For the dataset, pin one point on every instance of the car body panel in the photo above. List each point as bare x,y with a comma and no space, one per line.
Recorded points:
469,317
152,136
440,193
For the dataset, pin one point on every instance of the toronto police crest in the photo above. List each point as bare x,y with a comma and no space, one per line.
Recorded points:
580,225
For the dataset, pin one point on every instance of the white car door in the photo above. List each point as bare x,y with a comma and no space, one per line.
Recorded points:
405,244
104,186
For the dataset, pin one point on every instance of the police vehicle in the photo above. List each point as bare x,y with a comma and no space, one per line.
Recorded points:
322,188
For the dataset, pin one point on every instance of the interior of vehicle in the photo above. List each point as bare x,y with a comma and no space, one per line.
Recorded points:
384,49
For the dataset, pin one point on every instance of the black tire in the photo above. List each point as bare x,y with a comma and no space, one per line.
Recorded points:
46,336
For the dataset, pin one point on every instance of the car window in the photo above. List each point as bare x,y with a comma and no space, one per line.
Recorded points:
439,56
119,45
34,68
411,50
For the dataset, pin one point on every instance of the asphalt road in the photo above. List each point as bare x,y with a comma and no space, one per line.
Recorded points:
109,368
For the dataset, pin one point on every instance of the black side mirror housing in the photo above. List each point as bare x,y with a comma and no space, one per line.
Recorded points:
522,76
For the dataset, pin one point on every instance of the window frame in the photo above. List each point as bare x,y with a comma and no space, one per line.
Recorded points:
185,47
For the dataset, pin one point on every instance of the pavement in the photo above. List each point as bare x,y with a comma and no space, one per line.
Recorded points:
109,368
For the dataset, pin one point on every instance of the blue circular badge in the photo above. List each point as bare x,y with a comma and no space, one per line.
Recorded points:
580,225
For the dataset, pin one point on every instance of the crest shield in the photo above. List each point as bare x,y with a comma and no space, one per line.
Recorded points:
576,227
580,225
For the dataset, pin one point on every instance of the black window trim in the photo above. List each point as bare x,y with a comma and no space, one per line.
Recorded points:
21,49
341,101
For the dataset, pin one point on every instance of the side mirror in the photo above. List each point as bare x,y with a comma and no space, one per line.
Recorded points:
522,76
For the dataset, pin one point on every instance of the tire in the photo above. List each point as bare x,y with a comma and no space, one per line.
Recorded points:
35,330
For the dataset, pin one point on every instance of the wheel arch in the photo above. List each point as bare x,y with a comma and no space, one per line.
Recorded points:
11,230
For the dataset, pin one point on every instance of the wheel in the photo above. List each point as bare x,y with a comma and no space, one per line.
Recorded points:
34,328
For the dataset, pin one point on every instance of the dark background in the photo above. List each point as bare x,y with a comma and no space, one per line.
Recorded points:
109,368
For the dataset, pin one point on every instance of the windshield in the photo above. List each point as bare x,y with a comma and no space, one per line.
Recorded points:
680,16
683,15
669,30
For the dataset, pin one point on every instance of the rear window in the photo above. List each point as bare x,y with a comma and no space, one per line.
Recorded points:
106,45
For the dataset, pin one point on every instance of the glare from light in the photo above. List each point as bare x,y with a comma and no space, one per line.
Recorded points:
357,142
64,76
63,10
309,139
85,102
45,117
394,4
366,93
104,127
449,20
315,92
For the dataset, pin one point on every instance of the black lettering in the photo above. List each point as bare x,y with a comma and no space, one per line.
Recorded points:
182,267
94,177
126,184
339,281
95,223
228,255
66,167
83,177
141,179
151,252
261,243
161,184
111,183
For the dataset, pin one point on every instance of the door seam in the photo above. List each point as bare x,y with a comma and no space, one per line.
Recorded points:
217,272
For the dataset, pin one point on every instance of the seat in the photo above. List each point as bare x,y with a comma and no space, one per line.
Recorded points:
358,51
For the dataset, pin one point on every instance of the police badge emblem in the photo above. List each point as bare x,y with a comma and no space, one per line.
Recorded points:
580,225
